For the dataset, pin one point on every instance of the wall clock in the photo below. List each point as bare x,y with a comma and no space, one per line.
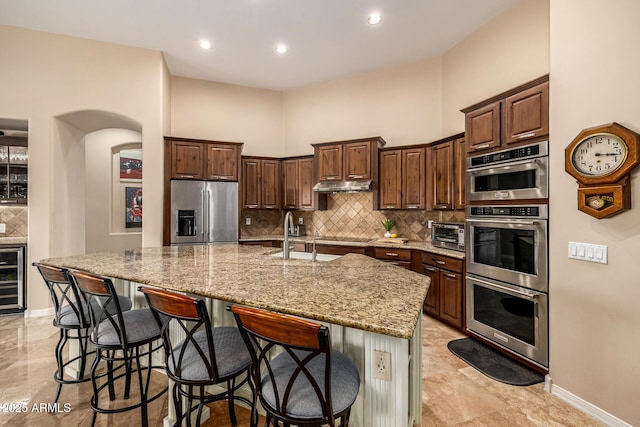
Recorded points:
600,159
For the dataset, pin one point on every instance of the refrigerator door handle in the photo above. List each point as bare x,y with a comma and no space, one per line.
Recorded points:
208,223
204,213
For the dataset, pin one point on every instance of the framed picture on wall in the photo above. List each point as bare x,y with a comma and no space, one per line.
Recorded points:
133,203
131,165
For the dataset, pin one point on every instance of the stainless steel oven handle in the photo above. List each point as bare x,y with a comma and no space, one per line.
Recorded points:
505,221
524,295
506,165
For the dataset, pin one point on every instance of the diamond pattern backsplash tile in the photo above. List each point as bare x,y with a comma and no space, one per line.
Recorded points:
15,220
349,215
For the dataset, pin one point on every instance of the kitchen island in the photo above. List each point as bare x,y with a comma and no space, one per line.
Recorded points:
367,304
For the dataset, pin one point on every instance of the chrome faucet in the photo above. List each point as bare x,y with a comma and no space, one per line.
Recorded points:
313,252
288,228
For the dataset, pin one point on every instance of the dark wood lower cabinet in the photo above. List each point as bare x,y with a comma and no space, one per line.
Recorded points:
445,299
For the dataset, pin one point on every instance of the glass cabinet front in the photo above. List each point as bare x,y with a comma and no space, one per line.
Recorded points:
14,174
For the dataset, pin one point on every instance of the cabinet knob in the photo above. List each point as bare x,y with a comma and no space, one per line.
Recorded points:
186,176
451,276
391,254
480,147
431,269
525,135
440,262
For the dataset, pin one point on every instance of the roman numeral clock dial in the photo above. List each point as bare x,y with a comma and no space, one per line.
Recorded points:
601,159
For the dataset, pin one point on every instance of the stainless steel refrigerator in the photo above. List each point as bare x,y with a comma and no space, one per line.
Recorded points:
204,212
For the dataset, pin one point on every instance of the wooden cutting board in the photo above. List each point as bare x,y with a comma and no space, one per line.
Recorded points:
393,240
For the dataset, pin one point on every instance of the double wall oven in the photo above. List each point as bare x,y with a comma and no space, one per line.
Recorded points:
507,250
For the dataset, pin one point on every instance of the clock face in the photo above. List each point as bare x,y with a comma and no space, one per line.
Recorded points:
599,154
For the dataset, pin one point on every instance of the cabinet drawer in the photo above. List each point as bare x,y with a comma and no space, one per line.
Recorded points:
404,264
444,262
393,254
338,249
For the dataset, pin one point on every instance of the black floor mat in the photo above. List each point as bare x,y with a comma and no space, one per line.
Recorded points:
493,364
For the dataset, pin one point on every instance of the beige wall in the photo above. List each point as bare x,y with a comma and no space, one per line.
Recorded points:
595,320
105,192
510,50
51,75
223,112
401,104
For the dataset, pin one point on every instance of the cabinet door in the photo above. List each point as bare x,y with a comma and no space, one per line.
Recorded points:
290,184
432,302
357,160
460,173
442,176
482,127
251,183
526,114
413,179
222,162
451,298
270,176
330,162
391,179
306,181
186,160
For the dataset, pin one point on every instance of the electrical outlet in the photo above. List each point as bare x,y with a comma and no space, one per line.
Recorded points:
381,365
300,221
3,228
247,221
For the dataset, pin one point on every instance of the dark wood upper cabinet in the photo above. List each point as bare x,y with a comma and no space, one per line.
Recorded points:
201,159
270,175
413,178
441,170
482,127
460,173
186,159
357,160
307,198
251,194
330,162
517,116
527,114
290,183
390,179
222,162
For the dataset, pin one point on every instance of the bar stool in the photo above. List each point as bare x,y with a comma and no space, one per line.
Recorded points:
206,356
307,383
71,314
121,338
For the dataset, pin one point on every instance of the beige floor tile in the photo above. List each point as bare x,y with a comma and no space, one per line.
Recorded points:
454,394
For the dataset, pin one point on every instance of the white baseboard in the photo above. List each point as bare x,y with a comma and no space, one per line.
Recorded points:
584,406
45,312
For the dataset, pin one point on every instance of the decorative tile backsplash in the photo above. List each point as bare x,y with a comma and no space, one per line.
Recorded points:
16,221
349,215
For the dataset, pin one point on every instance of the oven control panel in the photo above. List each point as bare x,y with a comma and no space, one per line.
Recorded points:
528,211
534,150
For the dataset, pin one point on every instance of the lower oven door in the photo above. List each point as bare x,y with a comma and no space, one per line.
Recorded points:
509,250
512,317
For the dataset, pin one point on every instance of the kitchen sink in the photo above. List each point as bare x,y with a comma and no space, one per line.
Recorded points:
307,256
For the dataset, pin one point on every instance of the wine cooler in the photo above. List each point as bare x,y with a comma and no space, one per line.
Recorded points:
11,279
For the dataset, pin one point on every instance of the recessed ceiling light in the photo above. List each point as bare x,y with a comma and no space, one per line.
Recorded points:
374,18
205,44
281,48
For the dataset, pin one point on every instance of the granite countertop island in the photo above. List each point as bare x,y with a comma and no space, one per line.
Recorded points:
368,305
353,291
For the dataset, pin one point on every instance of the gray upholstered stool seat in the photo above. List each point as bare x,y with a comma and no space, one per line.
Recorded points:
140,326
69,317
232,355
303,403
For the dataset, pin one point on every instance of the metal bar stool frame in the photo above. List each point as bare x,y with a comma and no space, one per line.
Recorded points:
192,317
303,341
67,302
118,356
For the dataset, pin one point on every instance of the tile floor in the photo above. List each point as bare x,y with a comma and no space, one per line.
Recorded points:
454,394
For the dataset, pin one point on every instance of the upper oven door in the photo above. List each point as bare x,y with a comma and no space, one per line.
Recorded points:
524,179
509,250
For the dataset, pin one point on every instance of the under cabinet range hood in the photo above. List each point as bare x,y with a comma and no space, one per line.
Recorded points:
343,186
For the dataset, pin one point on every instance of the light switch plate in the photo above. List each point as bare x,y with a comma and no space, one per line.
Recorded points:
247,221
588,252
